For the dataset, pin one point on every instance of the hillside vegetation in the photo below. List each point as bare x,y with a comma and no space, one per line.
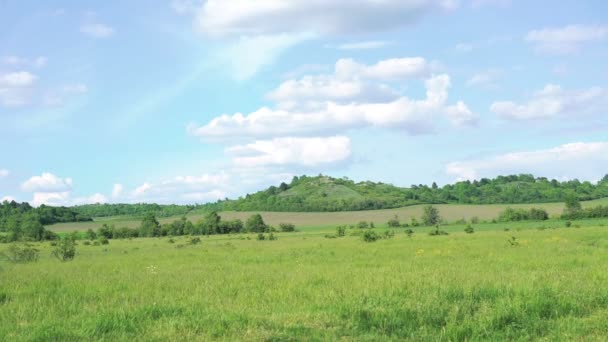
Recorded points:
322,193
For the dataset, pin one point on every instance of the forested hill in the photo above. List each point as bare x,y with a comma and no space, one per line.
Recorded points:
324,193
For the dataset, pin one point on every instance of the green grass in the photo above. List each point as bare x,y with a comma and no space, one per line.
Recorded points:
552,286
450,212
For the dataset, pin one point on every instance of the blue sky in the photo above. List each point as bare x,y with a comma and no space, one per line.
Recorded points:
191,101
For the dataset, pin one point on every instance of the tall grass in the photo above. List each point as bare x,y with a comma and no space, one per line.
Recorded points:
305,287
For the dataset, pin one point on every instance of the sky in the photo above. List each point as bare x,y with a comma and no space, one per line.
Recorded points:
178,101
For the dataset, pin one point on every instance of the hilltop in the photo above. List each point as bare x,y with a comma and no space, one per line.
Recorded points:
324,193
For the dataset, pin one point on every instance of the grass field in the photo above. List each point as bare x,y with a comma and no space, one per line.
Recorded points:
450,212
552,285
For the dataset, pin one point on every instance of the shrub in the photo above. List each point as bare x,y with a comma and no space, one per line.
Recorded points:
255,223
511,215
330,236
104,240
469,229
195,241
370,236
261,237
372,225
22,254
430,216
96,243
287,227
513,241
437,232
409,233
474,220
271,237
87,243
171,240
415,222
363,225
461,221
394,222
65,250
341,231
568,224
389,234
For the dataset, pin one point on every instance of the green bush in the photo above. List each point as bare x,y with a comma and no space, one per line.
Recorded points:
363,225
370,236
409,233
65,250
287,227
341,231
104,240
195,241
272,237
568,224
22,253
469,229
261,237
389,234
394,222
87,243
437,232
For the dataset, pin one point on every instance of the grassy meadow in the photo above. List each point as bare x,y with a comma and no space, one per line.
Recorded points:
548,283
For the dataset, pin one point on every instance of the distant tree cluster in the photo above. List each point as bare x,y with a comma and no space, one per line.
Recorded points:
20,221
533,214
210,224
138,209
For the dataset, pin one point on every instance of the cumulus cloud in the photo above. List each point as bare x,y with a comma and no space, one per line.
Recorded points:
182,189
553,102
567,39
221,18
47,183
97,30
345,100
291,151
561,162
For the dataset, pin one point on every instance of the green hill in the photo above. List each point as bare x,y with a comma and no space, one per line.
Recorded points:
323,193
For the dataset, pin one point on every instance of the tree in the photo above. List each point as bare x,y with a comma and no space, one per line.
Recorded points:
65,250
573,206
149,226
255,224
430,216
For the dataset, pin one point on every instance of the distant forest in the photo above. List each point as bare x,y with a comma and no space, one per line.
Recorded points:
321,193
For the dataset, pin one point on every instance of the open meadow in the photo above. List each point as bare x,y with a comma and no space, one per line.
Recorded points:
449,212
521,284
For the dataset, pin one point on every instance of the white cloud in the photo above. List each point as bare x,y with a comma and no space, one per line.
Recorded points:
8,199
552,102
291,151
47,183
51,198
97,30
16,61
460,115
243,17
117,190
566,39
329,104
183,189
4,173
16,88
17,79
367,45
560,162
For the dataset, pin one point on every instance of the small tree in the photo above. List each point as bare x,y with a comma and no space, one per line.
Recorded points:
255,224
430,216
65,250
573,206
149,226
287,227
394,222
